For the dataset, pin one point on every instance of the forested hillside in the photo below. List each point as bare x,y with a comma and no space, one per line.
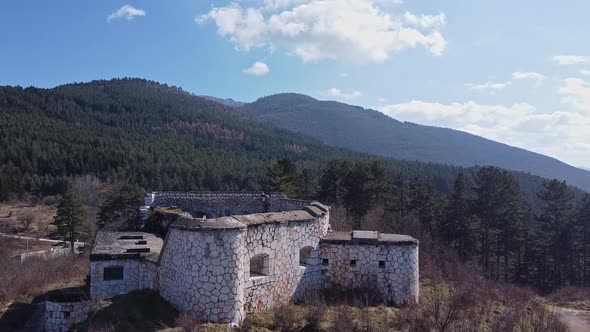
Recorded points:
519,227
159,138
373,132
485,219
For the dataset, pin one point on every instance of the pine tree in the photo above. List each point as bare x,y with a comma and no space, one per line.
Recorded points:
425,200
120,210
584,238
307,184
69,218
460,226
282,177
332,189
504,219
556,229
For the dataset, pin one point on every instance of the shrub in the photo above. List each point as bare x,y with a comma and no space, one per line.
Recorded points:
189,323
50,200
315,316
570,294
540,319
284,318
343,321
26,219
37,275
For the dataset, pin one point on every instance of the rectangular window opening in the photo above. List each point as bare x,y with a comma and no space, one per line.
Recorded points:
139,250
113,273
381,264
352,262
259,266
325,262
131,237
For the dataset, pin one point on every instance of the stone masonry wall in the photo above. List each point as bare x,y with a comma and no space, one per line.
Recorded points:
216,204
201,272
137,274
278,202
287,279
59,317
396,278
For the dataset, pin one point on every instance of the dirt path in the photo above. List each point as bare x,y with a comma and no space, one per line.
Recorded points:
578,320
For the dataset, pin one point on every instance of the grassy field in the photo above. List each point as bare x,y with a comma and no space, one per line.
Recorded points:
28,217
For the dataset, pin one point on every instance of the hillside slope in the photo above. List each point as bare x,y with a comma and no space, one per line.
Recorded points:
162,138
376,133
152,135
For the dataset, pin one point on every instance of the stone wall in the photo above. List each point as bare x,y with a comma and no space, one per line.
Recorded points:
60,316
279,202
287,279
218,204
392,268
137,274
201,272
213,204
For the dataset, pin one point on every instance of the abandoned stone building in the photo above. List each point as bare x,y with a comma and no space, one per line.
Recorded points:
227,254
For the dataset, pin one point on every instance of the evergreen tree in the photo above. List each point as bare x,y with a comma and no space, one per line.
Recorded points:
460,227
69,218
282,177
307,184
332,189
556,230
584,240
120,210
504,219
425,200
11,181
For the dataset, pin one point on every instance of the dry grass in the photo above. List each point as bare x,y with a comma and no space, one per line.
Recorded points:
23,282
38,216
571,297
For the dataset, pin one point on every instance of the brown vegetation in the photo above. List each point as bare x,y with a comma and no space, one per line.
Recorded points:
25,281
30,217
572,297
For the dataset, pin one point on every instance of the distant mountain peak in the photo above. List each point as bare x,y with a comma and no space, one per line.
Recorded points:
227,101
373,132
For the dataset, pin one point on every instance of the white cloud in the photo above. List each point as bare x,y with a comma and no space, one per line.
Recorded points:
570,59
351,94
518,75
346,30
127,12
277,4
576,92
488,86
585,72
257,69
562,134
343,75
425,21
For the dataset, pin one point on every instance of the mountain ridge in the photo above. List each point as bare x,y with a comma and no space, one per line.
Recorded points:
374,132
161,137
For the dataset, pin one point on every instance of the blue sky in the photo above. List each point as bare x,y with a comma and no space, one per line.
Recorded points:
513,71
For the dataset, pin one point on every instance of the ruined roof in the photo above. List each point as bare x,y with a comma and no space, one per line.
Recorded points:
368,237
126,245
